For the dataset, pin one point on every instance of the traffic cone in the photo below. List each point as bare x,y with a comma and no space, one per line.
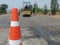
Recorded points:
15,32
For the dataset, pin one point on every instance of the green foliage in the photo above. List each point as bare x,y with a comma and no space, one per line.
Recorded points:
54,6
36,9
30,7
45,11
33,10
3,8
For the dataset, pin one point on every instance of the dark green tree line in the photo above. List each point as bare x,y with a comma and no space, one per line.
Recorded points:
54,6
3,8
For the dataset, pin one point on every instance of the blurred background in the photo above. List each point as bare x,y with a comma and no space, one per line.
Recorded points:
49,7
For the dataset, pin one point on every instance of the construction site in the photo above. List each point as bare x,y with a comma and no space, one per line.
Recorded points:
28,26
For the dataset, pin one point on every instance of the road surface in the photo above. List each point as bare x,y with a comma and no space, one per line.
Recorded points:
36,30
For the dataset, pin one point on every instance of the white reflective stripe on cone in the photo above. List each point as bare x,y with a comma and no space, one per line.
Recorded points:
15,42
14,23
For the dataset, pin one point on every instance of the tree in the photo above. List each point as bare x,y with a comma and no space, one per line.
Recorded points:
4,8
54,6
30,7
36,9
45,11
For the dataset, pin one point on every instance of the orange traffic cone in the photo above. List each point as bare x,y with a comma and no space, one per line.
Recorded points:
15,32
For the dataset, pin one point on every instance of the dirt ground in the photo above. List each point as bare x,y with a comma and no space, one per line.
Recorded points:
56,16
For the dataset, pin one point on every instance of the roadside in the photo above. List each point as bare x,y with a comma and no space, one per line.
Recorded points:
55,16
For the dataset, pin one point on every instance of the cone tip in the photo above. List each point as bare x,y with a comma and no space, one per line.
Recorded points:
14,14
13,9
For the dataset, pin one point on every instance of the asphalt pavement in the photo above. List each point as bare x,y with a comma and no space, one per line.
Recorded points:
36,30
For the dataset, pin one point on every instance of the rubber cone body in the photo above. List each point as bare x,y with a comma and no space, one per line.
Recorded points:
15,31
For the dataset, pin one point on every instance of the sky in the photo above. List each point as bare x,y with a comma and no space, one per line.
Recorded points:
19,3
